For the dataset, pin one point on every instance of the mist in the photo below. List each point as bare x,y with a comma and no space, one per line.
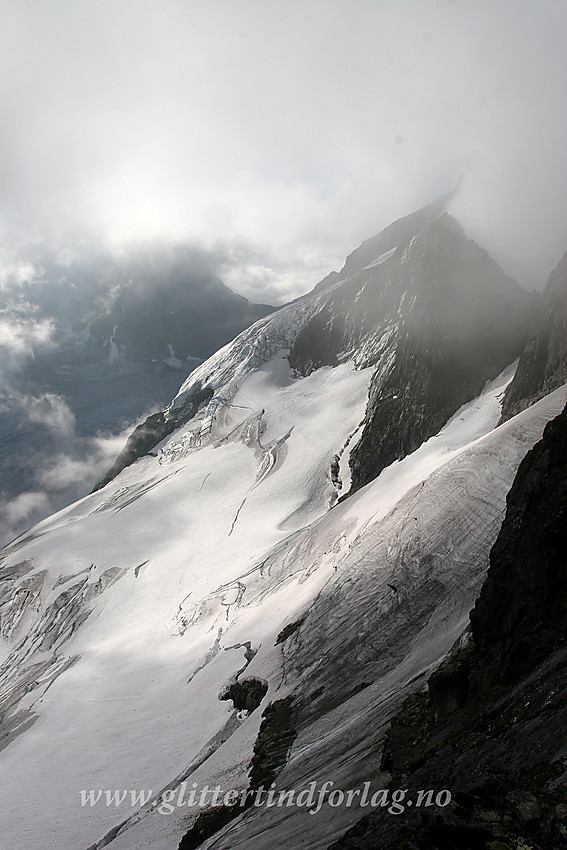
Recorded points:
267,141
288,133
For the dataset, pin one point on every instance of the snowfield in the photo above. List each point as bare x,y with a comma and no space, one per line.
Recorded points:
126,615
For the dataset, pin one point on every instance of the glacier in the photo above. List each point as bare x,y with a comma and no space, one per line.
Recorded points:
139,601
230,553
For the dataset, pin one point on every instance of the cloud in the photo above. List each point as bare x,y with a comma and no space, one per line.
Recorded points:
64,469
22,330
13,273
21,512
19,338
51,411
83,464
293,130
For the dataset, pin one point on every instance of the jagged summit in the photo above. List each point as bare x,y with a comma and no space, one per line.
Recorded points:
460,321
397,233
434,316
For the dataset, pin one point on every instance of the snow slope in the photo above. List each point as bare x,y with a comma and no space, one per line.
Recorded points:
146,568
127,614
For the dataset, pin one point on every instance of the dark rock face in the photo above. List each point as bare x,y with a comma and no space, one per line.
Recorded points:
156,428
206,824
398,233
449,685
288,631
543,364
491,729
320,342
275,737
521,615
247,694
465,324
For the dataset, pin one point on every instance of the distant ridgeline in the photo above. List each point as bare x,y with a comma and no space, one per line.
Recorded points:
152,303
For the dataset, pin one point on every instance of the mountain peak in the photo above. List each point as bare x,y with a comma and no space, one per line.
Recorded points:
434,317
397,233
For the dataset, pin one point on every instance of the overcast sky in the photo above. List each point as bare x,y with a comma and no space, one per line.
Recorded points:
286,131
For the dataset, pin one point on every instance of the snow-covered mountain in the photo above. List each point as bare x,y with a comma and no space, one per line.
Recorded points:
217,614
433,318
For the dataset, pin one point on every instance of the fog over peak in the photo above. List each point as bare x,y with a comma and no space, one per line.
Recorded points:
286,132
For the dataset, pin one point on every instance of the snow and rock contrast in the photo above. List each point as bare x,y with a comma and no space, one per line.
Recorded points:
491,724
218,614
433,317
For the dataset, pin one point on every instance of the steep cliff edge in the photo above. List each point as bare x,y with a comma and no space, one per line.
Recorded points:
521,615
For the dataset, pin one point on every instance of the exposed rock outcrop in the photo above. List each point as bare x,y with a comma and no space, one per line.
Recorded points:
275,737
543,364
521,615
434,315
277,734
154,429
465,322
246,695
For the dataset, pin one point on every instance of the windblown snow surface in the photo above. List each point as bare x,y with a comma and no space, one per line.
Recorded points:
126,615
